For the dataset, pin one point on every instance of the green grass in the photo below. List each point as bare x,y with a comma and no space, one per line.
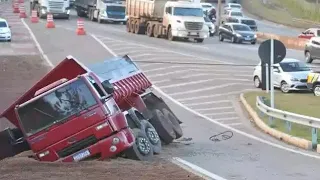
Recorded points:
305,104
284,11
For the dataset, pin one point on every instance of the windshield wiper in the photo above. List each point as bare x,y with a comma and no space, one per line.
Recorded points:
42,112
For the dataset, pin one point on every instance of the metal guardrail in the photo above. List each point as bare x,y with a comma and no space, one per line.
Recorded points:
290,117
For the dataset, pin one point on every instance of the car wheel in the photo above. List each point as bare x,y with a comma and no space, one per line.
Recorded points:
316,90
257,82
220,37
308,57
284,87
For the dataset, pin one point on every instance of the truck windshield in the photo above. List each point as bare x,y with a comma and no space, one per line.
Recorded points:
55,107
116,8
294,66
179,11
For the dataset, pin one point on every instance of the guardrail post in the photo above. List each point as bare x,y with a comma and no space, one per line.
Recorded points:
314,137
288,126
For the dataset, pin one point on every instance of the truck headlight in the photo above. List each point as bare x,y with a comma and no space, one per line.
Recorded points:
41,155
102,126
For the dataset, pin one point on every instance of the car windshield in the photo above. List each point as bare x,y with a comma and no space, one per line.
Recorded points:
239,27
3,24
206,6
235,6
294,66
248,22
55,107
179,11
206,19
116,8
236,14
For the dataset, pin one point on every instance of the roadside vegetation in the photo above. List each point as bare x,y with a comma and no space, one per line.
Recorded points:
296,13
304,103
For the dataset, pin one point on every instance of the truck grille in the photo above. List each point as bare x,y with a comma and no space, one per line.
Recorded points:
56,7
193,25
303,80
77,146
115,16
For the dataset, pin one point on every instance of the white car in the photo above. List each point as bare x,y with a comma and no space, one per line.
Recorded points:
289,75
5,31
233,6
207,7
211,26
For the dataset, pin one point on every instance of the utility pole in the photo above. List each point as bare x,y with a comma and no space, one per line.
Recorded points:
219,13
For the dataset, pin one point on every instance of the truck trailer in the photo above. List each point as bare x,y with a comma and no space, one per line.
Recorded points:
169,19
58,8
101,10
101,110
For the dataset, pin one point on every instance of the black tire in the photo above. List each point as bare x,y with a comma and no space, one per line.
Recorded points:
132,26
316,90
128,24
282,87
155,32
150,30
175,122
200,40
221,37
170,37
254,42
308,57
153,137
233,39
163,127
135,152
138,28
256,82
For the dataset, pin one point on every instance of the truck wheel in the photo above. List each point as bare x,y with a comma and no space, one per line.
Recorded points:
152,135
170,36
156,31
132,26
175,123
141,149
137,27
163,126
150,30
128,24
200,40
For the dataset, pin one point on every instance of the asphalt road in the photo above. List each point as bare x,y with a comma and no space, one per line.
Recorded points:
211,90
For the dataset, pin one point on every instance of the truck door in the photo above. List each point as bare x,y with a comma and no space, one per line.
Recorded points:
167,15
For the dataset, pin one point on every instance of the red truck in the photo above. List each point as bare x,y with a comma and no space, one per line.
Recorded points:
102,110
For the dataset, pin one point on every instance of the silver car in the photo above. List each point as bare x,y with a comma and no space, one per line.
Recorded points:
289,75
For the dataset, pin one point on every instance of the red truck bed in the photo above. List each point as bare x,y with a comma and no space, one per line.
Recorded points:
120,71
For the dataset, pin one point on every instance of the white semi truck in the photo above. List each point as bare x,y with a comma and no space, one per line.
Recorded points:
102,10
170,19
58,8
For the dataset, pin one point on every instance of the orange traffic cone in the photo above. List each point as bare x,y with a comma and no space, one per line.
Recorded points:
50,23
80,28
34,17
22,11
16,7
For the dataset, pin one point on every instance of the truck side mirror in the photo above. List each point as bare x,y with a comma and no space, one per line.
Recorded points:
107,86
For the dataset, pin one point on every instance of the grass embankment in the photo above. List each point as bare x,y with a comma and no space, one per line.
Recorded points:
305,104
285,11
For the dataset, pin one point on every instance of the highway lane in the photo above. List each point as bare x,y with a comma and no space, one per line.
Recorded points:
209,90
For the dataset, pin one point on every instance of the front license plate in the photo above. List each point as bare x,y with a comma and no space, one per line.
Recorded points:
193,34
247,39
81,155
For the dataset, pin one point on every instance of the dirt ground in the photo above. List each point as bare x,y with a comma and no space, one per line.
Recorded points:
17,74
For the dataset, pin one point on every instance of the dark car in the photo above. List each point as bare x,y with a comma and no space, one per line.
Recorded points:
237,33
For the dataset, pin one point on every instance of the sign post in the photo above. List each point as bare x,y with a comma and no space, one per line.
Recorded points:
271,78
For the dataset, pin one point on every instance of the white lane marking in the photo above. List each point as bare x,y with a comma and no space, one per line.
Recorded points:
169,73
219,70
226,119
160,81
121,48
206,103
141,55
212,96
45,57
203,89
207,74
171,58
186,84
162,68
103,45
217,114
234,124
187,165
147,65
213,108
235,130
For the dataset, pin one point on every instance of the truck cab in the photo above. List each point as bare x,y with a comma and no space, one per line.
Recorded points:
185,19
58,8
113,11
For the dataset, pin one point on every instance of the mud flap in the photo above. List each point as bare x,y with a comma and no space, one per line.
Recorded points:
154,102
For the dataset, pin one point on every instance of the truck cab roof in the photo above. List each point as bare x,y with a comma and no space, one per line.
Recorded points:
186,4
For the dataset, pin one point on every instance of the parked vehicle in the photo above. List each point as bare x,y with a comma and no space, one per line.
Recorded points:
58,8
312,49
211,26
309,33
313,82
5,31
76,112
207,7
289,75
170,19
232,6
230,14
244,20
102,10
237,33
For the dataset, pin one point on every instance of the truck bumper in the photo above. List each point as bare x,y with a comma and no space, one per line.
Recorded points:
106,147
190,34
58,15
105,18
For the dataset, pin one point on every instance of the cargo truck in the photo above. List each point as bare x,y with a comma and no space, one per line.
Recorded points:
58,8
101,10
106,109
169,19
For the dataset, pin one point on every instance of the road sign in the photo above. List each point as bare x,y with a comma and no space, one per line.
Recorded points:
265,51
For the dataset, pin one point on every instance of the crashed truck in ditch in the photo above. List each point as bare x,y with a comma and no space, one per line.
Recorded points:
102,110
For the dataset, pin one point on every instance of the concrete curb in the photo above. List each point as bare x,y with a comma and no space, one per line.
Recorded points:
296,141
